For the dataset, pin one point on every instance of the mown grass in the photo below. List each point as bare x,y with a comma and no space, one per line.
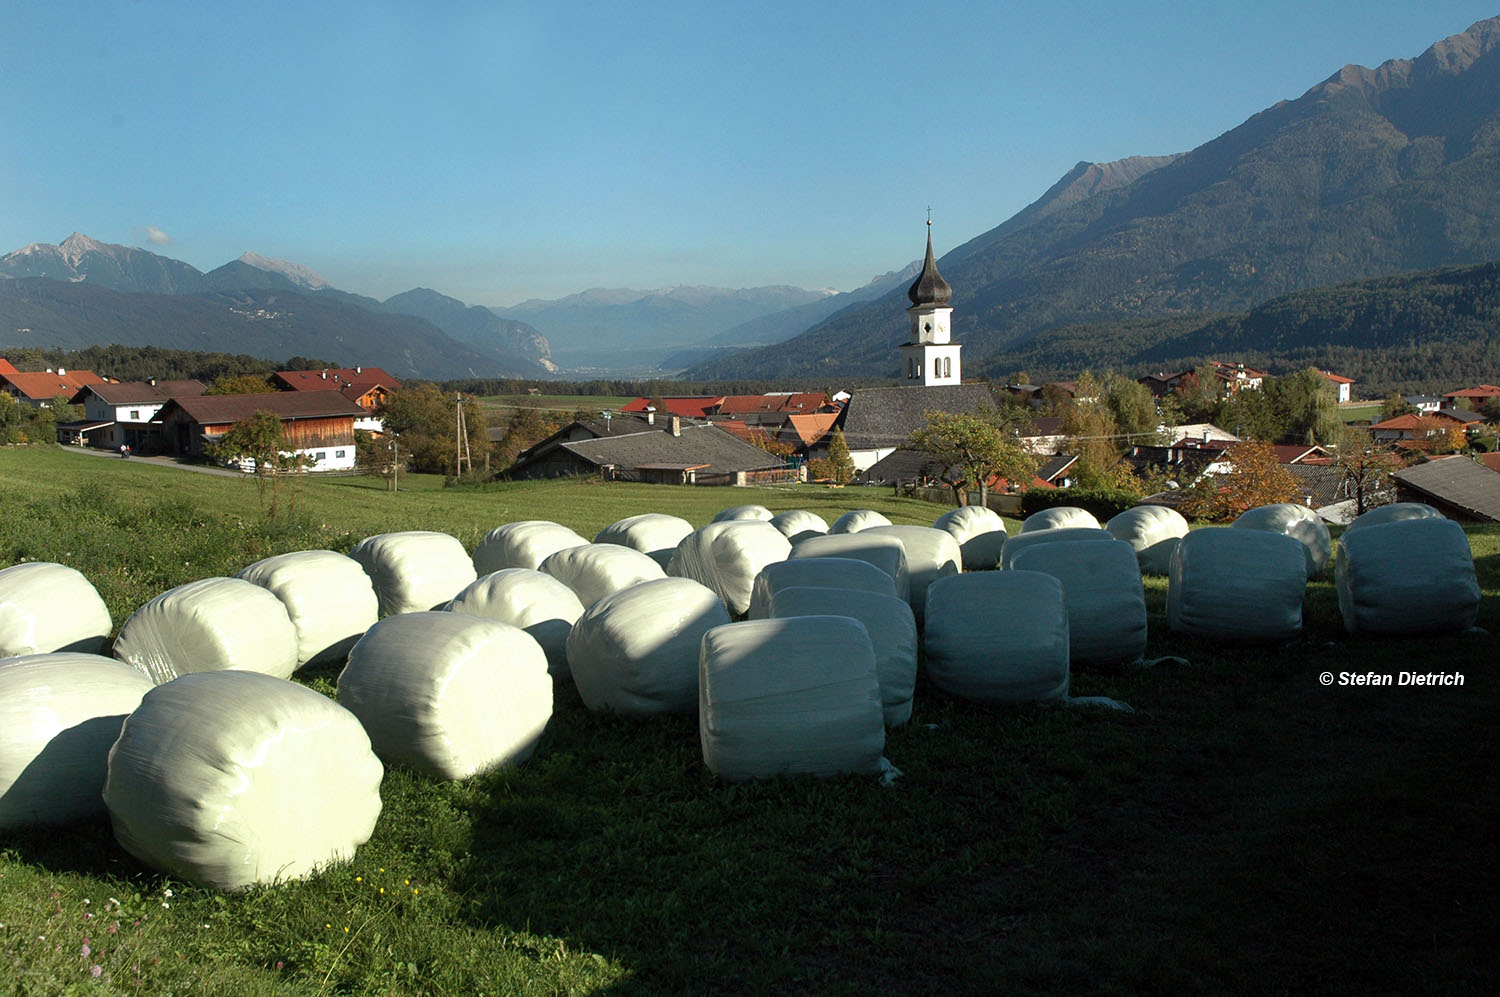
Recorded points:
1245,829
557,403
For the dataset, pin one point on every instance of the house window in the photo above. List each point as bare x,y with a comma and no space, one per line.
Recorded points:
320,456
338,453
135,415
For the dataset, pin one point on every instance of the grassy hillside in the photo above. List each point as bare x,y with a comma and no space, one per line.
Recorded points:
1245,828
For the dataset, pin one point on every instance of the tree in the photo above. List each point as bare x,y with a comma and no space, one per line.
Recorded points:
1394,405
1309,403
976,447
260,438
1094,437
1255,478
1199,393
241,384
1133,406
1365,467
424,417
777,448
841,464
526,428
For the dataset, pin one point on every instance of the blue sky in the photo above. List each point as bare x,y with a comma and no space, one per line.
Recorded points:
500,151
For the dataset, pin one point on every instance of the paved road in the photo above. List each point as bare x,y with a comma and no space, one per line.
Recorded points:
157,462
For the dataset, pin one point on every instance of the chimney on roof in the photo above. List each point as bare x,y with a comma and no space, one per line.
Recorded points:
325,375
359,370
152,382
676,426
650,415
61,372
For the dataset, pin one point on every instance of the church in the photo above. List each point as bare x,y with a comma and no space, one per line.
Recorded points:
879,420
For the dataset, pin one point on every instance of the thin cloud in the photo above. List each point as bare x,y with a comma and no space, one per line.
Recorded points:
153,235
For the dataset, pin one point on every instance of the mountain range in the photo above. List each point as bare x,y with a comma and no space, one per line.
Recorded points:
1372,172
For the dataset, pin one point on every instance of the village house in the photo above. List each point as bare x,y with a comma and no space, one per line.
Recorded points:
317,424
1343,386
1456,486
38,388
1472,398
119,413
1421,427
676,452
367,387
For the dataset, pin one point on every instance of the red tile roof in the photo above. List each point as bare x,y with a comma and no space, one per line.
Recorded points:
811,428
687,407
44,385
800,402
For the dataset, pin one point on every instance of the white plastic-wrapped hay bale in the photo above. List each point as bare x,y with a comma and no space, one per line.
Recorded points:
532,600
884,552
447,694
213,624
799,524
890,623
1103,592
998,636
980,533
1237,584
594,571
817,572
654,534
1408,576
523,544
1060,517
635,653
49,607
1152,532
797,696
856,520
328,596
1394,512
59,715
737,513
414,571
1296,521
726,556
1063,534
229,779
930,554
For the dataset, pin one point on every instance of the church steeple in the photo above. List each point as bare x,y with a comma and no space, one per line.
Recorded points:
930,357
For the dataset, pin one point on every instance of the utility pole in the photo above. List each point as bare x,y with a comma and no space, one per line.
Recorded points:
461,440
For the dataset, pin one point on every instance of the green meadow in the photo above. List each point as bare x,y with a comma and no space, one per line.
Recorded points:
1244,829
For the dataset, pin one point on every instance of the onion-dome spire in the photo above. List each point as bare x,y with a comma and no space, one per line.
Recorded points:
930,288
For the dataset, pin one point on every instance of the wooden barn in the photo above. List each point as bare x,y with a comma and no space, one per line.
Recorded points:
317,423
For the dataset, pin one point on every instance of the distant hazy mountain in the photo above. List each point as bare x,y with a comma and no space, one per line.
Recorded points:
473,324
1372,172
603,326
79,258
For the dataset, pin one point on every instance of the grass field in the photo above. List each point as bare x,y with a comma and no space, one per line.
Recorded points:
567,404
1245,829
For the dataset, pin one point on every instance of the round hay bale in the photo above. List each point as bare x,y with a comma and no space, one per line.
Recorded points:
213,624
1296,521
1237,584
414,571
799,524
884,552
1407,576
1394,512
59,715
1152,532
930,554
1059,517
980,533
1105,598
532,600
796,696
654,534
1014,545
635,653
997,636
889,621
726,556
856,520
49,607
328,596
448,695
594,571
229,779
816,572
738,512
523,544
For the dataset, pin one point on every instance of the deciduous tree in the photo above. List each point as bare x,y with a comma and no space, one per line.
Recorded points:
1255,478
973,444
261,439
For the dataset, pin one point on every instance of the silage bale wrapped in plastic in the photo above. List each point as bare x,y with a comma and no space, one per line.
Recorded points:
1237,584
1063,534
1152,532
1409,576
59,715
447,694
328,596
930,554
856,520
523,544
737,513
414,571
1394,512
635,653
49,607
799,524
980,533
1296,521
816,572
594,571
1060,517
654,534
997,636
1103,592
885,552
890,623
229,779
797,696
213,624
532,600
726,556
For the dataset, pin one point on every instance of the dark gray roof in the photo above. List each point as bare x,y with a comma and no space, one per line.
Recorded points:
132,392
1456,482
1055,466
1322,484
904,465
885,417
930,288
698,445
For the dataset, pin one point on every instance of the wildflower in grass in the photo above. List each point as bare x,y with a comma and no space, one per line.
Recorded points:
85,952
96,971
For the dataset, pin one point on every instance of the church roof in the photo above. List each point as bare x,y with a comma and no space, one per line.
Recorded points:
885,417
930,288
